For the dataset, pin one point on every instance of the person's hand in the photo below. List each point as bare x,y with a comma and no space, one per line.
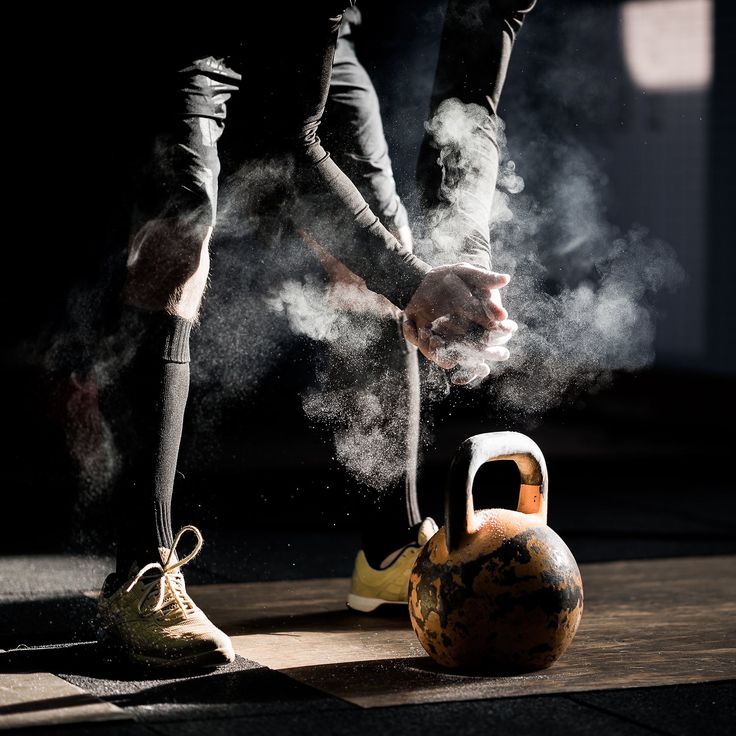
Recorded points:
456,319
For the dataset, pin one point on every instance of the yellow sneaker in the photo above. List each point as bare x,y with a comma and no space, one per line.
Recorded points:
152,620
389,584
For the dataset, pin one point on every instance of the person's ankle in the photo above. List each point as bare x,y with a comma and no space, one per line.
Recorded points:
381,545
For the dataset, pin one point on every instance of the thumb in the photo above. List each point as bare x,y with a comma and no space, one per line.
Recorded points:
410,331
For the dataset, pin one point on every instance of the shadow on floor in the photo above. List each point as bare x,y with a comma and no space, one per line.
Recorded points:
61,619
382,619
241,688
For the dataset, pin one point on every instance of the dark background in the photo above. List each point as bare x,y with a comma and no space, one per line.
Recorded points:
639,466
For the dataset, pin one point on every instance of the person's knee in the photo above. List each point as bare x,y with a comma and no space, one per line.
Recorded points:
167,267
168,258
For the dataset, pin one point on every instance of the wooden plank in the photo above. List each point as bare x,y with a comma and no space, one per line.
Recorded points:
42,699
646,623
302,622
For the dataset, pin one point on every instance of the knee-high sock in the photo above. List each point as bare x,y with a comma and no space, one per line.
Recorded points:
146,412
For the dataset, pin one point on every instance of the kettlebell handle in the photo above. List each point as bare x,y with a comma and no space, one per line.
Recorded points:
481,449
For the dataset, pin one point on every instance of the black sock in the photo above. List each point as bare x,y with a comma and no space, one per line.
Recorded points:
386,524
147,413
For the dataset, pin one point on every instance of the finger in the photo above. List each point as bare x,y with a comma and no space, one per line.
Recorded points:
443,357
423,336
497,309
436,343
496,354
462,330
499,335
504,327
484,370
430,346
449,341
423,348
495,340
477,311
462,376
452,329
410,332
478,279
493,309
508,325
463,344
473,304
438,352
470,373
483,307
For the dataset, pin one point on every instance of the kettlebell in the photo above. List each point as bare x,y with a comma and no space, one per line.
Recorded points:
496,589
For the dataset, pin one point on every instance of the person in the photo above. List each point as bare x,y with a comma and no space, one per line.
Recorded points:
183,94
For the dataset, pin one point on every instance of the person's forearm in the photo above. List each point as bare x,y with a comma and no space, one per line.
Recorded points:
377,186
328,205
477,39
331,209
354,135
469,162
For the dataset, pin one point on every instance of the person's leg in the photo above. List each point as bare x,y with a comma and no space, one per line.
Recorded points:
167,269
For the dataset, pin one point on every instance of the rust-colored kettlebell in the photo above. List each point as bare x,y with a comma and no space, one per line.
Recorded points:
496,589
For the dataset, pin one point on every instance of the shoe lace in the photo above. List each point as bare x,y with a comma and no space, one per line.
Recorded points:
170,581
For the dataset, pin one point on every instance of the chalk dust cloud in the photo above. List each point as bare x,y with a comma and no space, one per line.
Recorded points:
582,290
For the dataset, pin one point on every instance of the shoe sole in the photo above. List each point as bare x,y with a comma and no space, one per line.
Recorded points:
204,660
366,605
208,659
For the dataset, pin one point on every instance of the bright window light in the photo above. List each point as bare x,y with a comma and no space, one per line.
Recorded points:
668,44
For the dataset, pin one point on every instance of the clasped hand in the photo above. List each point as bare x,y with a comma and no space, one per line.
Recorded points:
456,319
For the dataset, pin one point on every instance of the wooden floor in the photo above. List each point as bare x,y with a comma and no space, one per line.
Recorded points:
41,699
646,623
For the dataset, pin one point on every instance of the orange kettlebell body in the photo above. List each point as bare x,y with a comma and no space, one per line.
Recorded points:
505,594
